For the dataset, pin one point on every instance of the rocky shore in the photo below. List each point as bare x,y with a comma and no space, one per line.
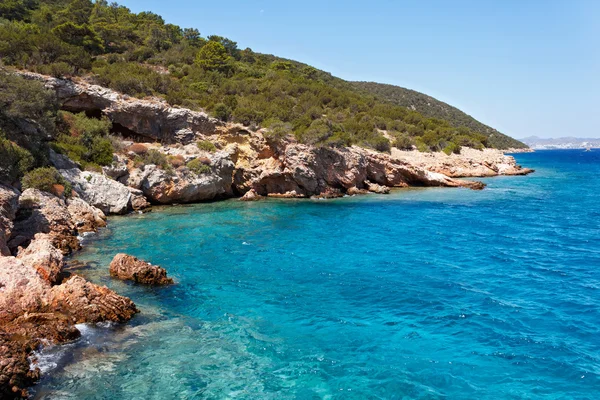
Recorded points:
40,303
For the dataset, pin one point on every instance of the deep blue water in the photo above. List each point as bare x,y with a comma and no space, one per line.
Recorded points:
424,293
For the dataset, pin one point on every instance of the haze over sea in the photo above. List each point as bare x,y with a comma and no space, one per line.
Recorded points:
424,293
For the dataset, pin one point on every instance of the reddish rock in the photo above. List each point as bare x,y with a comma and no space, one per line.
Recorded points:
250,195
46,259
126,267
85,217
84,301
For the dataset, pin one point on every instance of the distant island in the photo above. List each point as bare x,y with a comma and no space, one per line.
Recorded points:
568,142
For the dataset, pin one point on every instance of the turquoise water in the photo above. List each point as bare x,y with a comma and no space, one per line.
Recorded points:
424,293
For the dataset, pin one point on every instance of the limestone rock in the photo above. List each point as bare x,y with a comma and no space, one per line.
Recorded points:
22,289
376,188
250,195
185,186
86,218
60,161
42,256
126,267
42,212
138,200
99,191
154,119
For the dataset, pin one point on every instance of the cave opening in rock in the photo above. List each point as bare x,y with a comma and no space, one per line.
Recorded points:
126,133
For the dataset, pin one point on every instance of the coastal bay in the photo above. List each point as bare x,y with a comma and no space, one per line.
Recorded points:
433,292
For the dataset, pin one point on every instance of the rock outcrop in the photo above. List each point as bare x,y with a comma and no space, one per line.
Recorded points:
99,190
469,163
36,309
186,186
44,213
126,267
154,119
85,217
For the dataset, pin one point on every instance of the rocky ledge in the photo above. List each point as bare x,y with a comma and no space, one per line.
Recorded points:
129,268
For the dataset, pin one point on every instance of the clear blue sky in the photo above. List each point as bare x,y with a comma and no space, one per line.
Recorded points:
525,67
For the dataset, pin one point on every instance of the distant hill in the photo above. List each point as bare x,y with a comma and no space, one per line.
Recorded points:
433,108
561,143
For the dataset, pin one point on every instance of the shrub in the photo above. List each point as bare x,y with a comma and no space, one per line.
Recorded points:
138,149
222,112
198,167
206,145
155,157
176,161
42,179
380,143
403,142
14,161
277,130
452,148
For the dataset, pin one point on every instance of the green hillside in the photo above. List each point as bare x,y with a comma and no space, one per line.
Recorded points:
141,55
433,108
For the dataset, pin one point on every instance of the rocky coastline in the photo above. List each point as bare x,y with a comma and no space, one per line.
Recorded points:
40,302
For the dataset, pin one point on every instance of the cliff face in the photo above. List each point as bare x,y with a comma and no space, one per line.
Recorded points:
246,160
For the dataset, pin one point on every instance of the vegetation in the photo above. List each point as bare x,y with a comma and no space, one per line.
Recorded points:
198,167
45,179
433,108
15,161
206,145
85,140
141,55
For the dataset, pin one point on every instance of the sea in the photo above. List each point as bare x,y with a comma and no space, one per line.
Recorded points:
425,293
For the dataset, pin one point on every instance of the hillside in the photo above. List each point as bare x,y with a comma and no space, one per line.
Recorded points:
142,56
433,108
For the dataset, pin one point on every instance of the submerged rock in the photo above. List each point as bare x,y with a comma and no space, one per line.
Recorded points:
126,267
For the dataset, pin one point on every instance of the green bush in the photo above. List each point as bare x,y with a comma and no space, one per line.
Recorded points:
403,141
277,130
85,139
206,145
198,167
44,179
452,148
222,112
14,161
155,157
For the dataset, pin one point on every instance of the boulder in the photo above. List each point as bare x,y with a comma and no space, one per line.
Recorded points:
138,200
86,218
84,301
126,267
185,186
46,259
98,190
250,195
44,213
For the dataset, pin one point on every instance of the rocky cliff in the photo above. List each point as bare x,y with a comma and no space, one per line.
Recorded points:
244,161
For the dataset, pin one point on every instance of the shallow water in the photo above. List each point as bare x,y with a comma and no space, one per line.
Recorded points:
424,293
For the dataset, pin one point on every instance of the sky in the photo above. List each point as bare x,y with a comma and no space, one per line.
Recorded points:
524,67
